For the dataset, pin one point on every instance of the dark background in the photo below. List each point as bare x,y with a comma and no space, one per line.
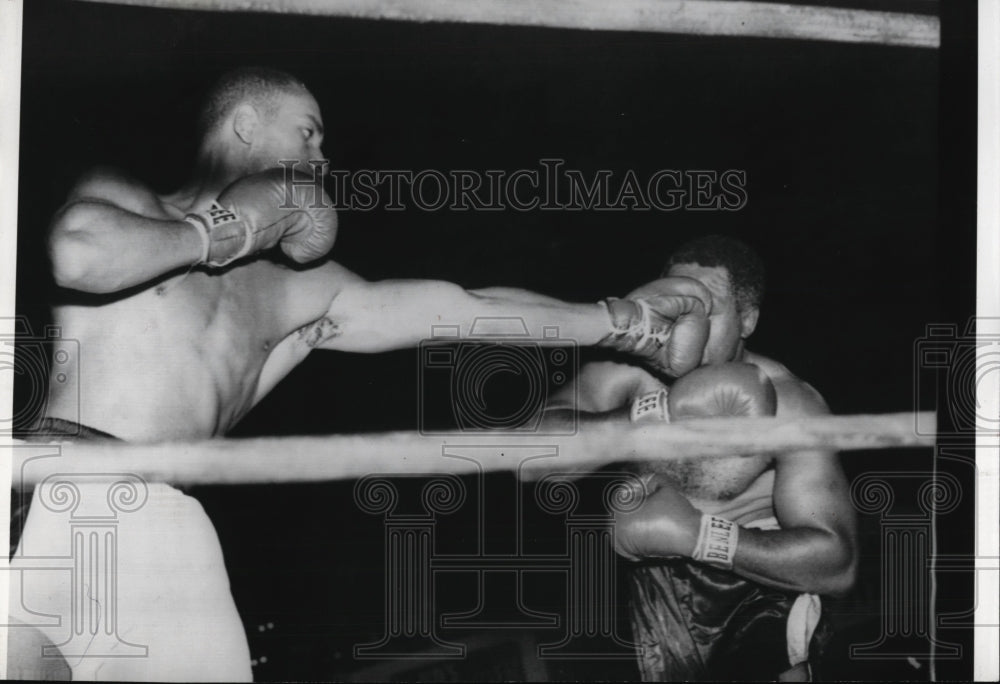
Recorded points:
860,198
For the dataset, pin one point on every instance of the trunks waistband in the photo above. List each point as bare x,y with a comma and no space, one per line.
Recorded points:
45,429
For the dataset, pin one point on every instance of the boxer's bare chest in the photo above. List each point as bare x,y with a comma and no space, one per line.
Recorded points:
712,479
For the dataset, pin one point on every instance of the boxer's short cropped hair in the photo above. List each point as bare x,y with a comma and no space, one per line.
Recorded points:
259,86
745,267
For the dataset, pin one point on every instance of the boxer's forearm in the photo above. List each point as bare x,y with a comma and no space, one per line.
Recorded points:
565,415
100,248
798,559
514,294
397,314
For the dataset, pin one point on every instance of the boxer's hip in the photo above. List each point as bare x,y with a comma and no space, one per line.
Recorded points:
46,430
696,622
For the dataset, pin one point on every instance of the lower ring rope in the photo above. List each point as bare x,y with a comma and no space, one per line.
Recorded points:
337,457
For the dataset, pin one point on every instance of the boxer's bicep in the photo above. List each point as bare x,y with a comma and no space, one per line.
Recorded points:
811,491
110,186
309,309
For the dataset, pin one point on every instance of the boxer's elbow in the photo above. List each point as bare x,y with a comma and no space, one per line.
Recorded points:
75,252
75,264
839,570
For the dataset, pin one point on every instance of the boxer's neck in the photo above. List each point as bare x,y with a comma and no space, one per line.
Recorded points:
213,173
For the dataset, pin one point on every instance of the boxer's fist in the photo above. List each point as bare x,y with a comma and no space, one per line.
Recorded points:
259,211
665,323
722,390
665,525
725,389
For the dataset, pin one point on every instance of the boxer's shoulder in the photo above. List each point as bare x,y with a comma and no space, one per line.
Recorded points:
795,395
115,186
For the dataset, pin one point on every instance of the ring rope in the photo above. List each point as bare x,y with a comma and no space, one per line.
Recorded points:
338,457
693,17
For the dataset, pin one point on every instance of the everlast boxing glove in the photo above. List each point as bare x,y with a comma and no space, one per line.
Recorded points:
666,524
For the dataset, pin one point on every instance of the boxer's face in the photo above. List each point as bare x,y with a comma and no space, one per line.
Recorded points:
295,131
729,325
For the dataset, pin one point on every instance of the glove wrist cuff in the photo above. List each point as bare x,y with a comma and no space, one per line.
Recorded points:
200,225
210,224
651,408
631,327
717,540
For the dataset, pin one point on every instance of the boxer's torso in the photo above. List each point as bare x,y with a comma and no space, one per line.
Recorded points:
178,358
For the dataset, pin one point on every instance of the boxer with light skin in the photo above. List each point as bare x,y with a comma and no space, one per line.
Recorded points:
190,307
234,322
793,526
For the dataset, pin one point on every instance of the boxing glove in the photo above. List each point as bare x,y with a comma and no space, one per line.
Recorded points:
725,389
664,525
665,323
256,212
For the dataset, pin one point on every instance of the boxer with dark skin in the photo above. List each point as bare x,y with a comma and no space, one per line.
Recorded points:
797,527
189,307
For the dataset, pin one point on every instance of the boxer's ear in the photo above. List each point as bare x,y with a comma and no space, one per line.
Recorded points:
748,321
245,122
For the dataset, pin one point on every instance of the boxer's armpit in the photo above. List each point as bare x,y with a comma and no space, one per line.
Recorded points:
318,332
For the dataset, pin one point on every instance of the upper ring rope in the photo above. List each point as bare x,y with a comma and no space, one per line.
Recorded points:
693,17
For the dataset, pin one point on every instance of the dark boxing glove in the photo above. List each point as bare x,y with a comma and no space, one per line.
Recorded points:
665,323
666,524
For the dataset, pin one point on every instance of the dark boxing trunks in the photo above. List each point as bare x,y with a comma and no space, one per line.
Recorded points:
52,429
695,622
46,430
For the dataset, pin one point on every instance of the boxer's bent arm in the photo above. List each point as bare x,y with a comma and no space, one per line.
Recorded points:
397,314
98,247
603,386
601,392
816,548
114,233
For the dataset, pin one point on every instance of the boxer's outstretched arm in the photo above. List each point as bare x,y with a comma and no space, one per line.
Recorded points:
666,329
106,238
397,314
